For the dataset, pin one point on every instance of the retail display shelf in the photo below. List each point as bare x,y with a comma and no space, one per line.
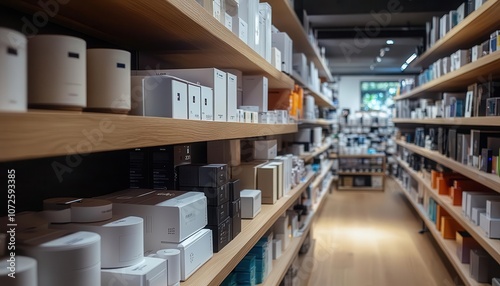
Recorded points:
319,98
321,176
342,188
310,155
318,122
463,121
223,262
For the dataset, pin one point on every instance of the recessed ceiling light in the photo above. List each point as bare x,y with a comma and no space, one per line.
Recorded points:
411,58
389,42
404,66
378,59
387,49
372,67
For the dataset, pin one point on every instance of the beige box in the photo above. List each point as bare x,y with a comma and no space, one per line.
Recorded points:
267,183
265,149
247,173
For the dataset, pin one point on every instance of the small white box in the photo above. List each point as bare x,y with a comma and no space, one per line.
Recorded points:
264,117
265,149
491,226
281,116
251,108
216,10
474,53
187,213
282,42
241,115
248,116
207,103
150,272
255,91
240,29
276,248
255,117
479,3
159,96
478,200
211,77
276,58
194,102
228,21
232,91
251,201
300,65
303,135
493,208
476,213
195,251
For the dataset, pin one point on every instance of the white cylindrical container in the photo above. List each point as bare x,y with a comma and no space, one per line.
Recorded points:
13,71
173,258
108,80
57,72
24,271
309,107
65,258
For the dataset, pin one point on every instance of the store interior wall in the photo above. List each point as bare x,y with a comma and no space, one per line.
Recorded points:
350,89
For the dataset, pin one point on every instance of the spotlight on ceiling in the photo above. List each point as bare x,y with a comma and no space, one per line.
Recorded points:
378,59
389,42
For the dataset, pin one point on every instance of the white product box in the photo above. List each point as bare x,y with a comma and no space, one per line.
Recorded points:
493,208
187,213
122,239
210,77
476,200
474,53
216,10
248,116
277,247
265,149
479,3
300,65
255,91
239,85
317,136
282,42
207,103
296,149
195,251
265,22
251,108
194,102
476,212
461,13
159,96
240,29
253,24
303,135
241,115
491,226
255,117
465,198
14,71
228,21
232,92
251,201
151,271
264,117
282,116
276,58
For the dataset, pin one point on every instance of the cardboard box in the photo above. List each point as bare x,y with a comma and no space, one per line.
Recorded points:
247,174
265,149
300,65
208,176
449,227
234,190
276,58
251,201
224,152
151,271
267,183
478,200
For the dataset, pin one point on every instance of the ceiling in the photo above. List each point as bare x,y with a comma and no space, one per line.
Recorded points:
355,31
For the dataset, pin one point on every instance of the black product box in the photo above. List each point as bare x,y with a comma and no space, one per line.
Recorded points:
139,169
442,140
486,159
215,196
479,140
217,214
433,136
212,175
452,144
221,234
235,208
484,92
234,190
165,161
235,225
493,106
362,181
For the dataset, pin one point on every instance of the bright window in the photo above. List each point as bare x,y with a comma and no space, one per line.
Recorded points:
378,95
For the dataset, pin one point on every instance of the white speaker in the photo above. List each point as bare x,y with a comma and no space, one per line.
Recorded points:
173,258
13,71
108,80
19,272
57,72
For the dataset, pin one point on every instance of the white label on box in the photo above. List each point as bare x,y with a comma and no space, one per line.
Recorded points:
207,103
194,102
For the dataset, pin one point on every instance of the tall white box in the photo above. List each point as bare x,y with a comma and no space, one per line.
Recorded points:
253,24
228,21
195,251
276,58
232,97
255,91
282,42
207,103
210,77
194,102
251,201
265,21
160,96
240,29
239,85
300,65
186,213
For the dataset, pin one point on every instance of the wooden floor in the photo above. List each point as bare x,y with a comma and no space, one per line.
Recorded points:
365,238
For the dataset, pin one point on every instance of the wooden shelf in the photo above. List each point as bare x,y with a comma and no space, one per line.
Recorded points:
490,245
465,121
319,98
458,80
285,19
181,33
317,122
490,180
333,156
310,155
341,156
222,263
37,134
474,29
448,246
342,188
321,176
360,173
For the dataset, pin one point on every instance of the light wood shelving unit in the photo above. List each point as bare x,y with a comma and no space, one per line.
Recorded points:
448,246
458,79
222,263
467,33
319,98
317,122
310,155
464,121
357,173
321,176
285,19
38,134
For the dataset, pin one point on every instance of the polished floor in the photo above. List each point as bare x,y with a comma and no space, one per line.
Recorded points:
367,238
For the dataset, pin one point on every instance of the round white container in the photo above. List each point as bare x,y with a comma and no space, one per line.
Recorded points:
173,258
13,71
108,80
57,72
25,271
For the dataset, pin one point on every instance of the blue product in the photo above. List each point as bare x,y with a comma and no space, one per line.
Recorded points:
246,264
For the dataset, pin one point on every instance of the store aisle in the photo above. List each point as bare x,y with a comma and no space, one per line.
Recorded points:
371,239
